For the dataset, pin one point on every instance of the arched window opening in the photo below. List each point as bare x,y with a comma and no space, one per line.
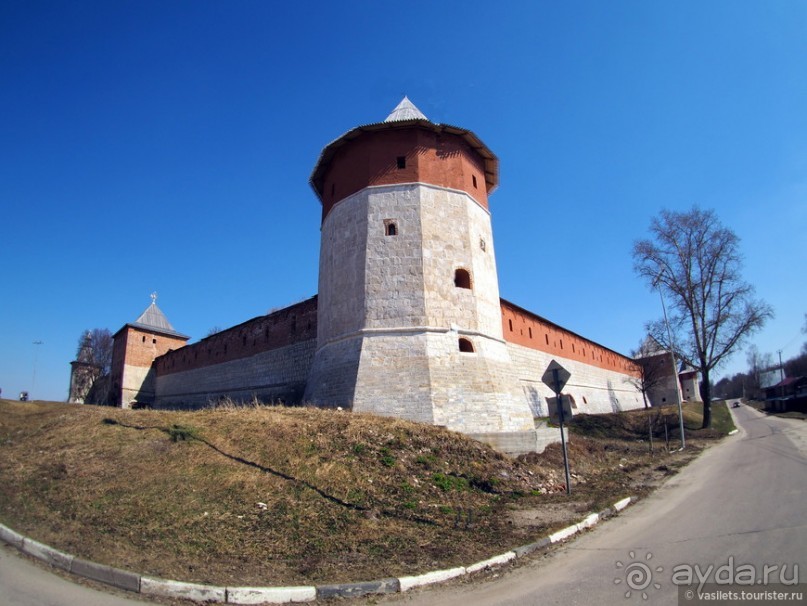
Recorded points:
462,279
390,228
466,346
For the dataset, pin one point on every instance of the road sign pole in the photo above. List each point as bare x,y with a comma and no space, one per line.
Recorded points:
562,436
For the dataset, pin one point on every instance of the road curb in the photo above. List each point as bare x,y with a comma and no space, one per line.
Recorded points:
130,581
122,579
177,589
47,554
9,536
273,595
356,590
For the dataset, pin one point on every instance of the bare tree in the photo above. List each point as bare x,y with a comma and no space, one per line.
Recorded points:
804,330
95,352
696,263
95,347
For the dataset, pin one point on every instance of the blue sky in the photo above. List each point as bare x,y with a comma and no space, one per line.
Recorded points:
167,146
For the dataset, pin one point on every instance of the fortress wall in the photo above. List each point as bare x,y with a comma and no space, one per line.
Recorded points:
393,376
276,375
430,157
457,235
474,392
137,385
522,327
290,325
593,389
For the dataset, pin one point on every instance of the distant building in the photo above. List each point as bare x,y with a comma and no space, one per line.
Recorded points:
666,380
788,394
408,321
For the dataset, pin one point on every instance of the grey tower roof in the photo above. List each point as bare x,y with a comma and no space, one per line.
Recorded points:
405,110
154,320
153,317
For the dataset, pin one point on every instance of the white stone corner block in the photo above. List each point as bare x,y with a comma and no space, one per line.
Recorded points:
562,534
734,431
187,591
589,521
272,595
429,578
494,561
620,505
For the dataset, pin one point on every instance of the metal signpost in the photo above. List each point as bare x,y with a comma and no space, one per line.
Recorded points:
555,378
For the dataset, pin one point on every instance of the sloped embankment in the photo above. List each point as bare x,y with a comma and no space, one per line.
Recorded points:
275,496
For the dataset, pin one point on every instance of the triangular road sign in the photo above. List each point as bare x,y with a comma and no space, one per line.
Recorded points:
555,376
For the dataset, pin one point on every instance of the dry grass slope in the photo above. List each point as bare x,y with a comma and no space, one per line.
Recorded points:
278,496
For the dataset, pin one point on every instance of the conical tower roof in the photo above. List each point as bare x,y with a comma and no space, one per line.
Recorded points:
405,110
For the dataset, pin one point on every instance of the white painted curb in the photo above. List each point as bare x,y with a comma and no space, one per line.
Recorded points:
494,561
589,521
273,595
565,533
620,505
187,591
430,578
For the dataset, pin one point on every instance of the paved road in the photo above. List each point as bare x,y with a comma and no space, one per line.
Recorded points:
25,583
745,498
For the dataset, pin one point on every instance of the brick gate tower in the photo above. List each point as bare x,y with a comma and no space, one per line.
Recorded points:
135,347
409,317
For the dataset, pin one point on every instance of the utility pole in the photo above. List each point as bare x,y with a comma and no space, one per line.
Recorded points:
674,367
33,376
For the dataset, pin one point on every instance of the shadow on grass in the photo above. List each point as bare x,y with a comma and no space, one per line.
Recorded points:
179,433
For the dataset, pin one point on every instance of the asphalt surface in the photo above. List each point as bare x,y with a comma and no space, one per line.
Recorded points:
743,499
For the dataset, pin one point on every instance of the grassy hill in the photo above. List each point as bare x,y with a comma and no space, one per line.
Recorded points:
273,496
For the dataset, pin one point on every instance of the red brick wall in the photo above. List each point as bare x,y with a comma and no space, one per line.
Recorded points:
525,328
142,346
136,347
440,159
284,327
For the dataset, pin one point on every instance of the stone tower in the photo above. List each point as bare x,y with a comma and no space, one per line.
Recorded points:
135,346
409,316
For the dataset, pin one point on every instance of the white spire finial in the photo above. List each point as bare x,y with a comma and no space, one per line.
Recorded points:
154,298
